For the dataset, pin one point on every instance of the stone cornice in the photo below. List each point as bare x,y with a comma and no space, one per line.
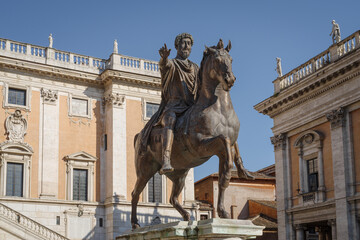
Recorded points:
48,70
113,75
310,87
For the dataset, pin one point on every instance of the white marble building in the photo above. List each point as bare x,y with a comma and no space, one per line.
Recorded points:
66,144
316,114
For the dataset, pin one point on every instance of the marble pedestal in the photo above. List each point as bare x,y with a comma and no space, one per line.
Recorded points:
209,229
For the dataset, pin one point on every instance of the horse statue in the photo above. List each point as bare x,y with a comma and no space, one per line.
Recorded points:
209,127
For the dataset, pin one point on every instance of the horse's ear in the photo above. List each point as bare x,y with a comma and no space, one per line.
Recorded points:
220,44
228,47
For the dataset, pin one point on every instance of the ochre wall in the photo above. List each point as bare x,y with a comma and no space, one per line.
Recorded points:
134,122
327,158
355,120
78,134
32,138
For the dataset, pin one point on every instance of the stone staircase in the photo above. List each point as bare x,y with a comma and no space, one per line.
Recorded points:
14,225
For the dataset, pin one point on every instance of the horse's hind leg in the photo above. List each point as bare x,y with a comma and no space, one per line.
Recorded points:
144,174
242,172
178,179
225,165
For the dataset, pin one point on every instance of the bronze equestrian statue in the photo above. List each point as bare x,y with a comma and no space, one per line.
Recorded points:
208,126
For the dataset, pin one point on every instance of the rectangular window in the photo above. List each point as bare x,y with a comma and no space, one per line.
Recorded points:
80,184
79,107
312,175
155,188
151,109
14,179
57,220
105,142
17,96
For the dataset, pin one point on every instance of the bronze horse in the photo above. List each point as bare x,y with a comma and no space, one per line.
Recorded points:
210,127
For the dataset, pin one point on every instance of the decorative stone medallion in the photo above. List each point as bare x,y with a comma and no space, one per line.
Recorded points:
16,126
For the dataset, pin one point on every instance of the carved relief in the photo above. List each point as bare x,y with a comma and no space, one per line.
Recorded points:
279,141
336,117
48,95
116,99
16,126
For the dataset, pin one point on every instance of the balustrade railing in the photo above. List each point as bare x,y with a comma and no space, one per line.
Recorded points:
29,224
321,60
85,63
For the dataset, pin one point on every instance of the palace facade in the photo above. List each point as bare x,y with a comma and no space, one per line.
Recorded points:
67,144
316,113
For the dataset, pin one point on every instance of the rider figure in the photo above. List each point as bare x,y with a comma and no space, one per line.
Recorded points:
179,82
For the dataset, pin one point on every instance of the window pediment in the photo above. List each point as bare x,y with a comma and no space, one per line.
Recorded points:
16,148
81,156
309,138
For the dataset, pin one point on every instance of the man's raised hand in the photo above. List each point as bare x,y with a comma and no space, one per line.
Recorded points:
164,51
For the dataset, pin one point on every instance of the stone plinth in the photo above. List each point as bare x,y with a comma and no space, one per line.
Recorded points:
215,228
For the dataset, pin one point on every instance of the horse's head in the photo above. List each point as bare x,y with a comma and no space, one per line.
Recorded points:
218,63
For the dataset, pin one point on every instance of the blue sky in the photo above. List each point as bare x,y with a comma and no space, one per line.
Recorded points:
260,31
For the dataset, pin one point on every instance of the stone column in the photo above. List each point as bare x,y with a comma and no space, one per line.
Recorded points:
339,145
116,164
332,224
299,232
283,191
49,144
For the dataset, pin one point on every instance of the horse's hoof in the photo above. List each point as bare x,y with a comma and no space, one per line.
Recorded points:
135,226
186,217
223,214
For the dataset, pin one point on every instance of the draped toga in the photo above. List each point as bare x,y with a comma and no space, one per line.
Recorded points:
179,82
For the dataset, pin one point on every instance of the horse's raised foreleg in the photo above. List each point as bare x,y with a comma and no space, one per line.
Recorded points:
242,172
178,179
145,170
225,165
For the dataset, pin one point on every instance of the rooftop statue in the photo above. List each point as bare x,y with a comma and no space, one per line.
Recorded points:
278,67
115,46
50,41
195,121
335,32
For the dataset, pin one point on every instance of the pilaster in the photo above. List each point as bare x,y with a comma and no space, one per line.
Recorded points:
189,187
49,144
339,145
282,184
116,165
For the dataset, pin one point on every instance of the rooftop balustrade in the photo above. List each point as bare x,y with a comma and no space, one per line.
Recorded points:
54,57
316,63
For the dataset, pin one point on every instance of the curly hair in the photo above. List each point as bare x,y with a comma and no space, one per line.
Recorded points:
181,36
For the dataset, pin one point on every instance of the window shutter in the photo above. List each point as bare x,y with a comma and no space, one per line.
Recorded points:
14,179
155,188
80,184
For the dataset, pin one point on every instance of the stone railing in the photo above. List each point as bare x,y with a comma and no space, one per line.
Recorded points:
330,55
54,57
28,224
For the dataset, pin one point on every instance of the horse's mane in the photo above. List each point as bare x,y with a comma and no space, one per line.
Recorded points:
205,56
